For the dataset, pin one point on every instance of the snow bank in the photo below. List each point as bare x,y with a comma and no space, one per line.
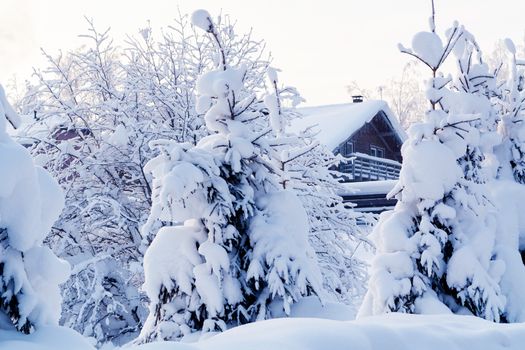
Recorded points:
45,338
392,331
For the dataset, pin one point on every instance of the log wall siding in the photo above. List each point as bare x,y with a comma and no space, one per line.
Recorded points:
377,132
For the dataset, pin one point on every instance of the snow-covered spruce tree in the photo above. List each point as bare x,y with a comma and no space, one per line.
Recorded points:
89,118
512,125
30,202
307,167
505,190
436,248
475,92
238,240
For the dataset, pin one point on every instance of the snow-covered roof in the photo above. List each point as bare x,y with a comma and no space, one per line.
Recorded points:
30,129
336,123
367,187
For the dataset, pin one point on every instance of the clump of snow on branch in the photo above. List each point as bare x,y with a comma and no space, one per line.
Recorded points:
202,19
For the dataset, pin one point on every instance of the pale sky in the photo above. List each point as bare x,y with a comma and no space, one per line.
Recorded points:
320,45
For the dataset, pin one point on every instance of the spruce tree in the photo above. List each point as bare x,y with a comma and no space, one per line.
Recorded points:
236,244
437,246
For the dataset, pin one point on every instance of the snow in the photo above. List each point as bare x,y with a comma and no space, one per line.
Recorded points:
159,265
232,226
219,82
202,19
120,136
317,329
8,111
251,249
26,192
429,47
431,168
437,248
30,202
272,74
368,187
311,307
279,236
208,285
510,46
392,331
336,123
29,131
45,338
508,197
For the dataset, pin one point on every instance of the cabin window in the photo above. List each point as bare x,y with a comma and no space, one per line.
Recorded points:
347,149
376,151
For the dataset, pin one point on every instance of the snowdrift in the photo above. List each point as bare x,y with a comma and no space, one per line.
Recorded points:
45,338
392,331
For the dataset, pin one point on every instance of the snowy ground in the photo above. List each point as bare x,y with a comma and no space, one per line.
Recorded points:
46,338
317,332
392,331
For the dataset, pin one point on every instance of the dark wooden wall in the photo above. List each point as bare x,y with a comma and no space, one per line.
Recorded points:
378,132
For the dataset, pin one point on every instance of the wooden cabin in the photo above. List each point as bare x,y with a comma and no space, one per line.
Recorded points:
369,135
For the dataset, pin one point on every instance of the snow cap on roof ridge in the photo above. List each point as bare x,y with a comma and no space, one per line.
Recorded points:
337,122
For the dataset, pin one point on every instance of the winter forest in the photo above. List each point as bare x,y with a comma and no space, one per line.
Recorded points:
167,191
